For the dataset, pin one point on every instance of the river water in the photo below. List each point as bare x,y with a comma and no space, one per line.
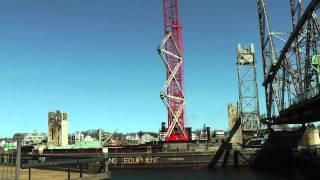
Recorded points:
202,174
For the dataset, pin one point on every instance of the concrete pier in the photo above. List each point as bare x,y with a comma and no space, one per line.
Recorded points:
310,138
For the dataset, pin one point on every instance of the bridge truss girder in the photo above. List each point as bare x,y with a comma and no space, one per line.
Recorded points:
290,75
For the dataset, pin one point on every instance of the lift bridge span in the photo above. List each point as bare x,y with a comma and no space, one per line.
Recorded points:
291,65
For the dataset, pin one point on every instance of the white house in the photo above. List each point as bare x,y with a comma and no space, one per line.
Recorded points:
2,143
147,138
76,137
33,138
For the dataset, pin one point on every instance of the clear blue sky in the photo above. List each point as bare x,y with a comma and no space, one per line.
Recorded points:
97,60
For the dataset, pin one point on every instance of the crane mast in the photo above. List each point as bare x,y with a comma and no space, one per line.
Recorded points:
171,52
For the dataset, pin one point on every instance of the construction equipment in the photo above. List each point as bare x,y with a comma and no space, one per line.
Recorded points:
172,93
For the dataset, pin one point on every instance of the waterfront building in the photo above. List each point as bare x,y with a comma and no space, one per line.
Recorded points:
219,135
76,137
30,138
33,138
144,138
147,138
2,142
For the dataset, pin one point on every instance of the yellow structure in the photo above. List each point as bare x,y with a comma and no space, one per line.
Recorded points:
57,129
232,118
310,137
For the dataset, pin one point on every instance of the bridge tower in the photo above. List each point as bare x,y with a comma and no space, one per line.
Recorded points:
171,52
248,89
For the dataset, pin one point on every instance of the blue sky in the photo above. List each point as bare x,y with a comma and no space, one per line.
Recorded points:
97,60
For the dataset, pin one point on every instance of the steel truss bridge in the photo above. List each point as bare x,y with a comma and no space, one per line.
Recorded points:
291,65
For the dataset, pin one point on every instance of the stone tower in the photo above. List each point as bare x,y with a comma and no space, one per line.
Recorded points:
233,117
57,129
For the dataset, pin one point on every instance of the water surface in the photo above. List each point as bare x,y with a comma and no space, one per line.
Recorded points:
201,174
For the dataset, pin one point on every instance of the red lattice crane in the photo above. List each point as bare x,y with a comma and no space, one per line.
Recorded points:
172,93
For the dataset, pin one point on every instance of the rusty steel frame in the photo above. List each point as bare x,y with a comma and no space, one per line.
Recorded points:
289,76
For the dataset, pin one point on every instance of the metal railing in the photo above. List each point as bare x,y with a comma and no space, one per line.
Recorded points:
102,174
313,92
301,98
10,156
11,165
